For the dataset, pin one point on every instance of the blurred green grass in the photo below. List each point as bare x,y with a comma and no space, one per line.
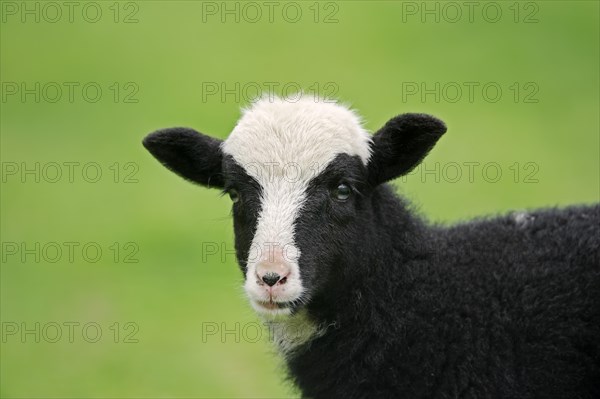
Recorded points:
169,54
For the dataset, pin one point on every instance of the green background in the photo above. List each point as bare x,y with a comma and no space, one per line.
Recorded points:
367,55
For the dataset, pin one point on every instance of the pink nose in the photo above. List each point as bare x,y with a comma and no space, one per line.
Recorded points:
272,268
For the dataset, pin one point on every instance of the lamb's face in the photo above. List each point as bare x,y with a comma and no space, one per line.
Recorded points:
293,171
299,175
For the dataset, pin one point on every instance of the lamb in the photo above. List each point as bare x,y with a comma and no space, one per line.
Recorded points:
387,305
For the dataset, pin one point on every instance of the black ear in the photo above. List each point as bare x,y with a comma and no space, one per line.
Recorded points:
401,145
192,155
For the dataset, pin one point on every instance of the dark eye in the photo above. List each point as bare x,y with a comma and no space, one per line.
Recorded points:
342,192
234,195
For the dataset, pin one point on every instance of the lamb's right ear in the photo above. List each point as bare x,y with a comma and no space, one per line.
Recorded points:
401,145
192,155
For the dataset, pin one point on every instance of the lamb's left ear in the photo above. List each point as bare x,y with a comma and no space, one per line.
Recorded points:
401,145
192,155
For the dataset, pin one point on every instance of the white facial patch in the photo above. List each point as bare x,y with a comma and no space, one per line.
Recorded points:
283,145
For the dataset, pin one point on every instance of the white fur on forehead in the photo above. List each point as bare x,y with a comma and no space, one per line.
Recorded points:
305,132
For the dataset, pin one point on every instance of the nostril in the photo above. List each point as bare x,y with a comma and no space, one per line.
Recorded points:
271,279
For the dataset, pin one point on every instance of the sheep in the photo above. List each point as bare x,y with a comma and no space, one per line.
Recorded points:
386,304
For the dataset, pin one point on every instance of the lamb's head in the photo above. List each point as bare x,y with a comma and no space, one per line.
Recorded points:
301,177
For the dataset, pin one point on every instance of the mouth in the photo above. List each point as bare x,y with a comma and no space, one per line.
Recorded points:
273,307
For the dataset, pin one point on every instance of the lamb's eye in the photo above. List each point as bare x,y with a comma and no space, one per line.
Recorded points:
234,195
342,192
